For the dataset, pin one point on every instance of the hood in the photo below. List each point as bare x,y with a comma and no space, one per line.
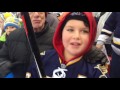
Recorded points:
57,39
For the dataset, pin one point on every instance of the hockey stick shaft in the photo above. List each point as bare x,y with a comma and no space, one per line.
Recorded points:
32,42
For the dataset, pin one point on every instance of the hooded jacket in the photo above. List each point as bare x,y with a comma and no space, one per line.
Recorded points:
57,41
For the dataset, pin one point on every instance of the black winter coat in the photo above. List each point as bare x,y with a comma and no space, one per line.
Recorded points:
17,54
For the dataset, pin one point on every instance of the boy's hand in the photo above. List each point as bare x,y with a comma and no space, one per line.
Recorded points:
95,55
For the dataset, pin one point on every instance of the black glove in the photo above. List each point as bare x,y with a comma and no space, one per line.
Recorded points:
95,55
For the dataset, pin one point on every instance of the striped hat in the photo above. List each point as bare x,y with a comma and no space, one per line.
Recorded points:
12,21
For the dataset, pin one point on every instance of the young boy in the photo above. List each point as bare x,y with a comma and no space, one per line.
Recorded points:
10,24
73,38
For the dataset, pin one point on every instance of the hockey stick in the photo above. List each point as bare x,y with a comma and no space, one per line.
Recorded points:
32,42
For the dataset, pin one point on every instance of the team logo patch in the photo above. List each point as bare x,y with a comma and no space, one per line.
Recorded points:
59,73
103,70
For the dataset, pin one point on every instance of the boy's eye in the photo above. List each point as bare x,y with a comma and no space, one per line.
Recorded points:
85,31
7,28
12,27
70,30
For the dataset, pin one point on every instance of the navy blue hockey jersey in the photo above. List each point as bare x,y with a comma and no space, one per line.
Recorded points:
79,68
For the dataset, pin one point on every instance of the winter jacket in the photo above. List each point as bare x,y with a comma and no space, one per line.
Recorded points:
52,20
2,40
16,50
77,69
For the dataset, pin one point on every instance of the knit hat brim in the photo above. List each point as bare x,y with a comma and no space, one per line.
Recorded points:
10,24
76,16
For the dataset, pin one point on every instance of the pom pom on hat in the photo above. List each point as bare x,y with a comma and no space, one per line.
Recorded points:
8,14
12,21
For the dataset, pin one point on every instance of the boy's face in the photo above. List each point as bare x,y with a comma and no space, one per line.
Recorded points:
9,29
75,37
37,20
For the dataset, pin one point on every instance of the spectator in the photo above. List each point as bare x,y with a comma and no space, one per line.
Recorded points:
52,20
16,51
11,24
72,40
111,27
100,26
